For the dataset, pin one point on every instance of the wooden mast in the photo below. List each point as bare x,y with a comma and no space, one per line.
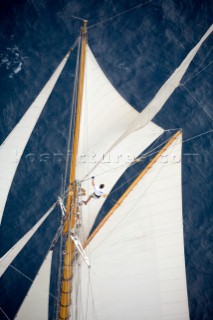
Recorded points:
71,208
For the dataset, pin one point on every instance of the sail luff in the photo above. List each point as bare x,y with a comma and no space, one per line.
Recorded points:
7,259
13,147
130,188
66,287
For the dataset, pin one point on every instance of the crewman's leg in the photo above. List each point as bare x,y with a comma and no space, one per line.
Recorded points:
89,198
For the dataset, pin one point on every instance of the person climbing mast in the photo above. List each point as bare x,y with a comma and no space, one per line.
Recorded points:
98,191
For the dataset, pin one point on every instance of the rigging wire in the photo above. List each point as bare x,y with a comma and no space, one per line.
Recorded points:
87,299
197,136
92,297
78,315
78,18
25,276
90,292
119,14
194,74
197,101
5,314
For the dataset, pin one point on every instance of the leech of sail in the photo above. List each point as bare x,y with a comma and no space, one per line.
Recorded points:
131,187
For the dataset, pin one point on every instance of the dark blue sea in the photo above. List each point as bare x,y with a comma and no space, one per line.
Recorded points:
138,51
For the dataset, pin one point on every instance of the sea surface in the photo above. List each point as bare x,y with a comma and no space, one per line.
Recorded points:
138,51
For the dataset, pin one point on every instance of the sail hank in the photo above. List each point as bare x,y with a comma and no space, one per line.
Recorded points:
36,304
13,147
137,256
7,259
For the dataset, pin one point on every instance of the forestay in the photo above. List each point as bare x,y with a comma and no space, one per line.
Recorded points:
137,257
12,148
36,304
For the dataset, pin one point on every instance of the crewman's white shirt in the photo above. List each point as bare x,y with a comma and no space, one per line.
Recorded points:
99,192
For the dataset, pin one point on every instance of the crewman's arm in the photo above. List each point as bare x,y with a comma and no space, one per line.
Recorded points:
93,181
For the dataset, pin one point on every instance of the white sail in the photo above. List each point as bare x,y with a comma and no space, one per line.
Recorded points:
36,304
113,166
109,122
168,88
104,118
7,259
12,148
137,257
